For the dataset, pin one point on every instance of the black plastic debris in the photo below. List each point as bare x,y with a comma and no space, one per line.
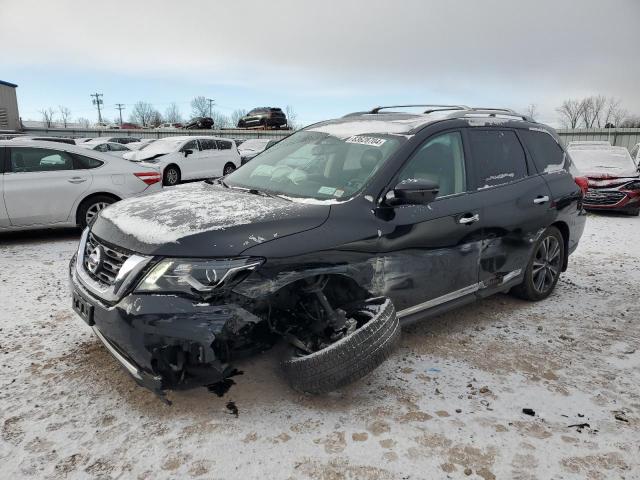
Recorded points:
579,426
621,416
529,411
220,388
233,409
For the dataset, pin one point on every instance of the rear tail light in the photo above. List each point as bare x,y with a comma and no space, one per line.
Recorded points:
583,183
149,177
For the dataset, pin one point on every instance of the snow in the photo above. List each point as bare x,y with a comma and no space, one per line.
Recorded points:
344,130
69,411
167,216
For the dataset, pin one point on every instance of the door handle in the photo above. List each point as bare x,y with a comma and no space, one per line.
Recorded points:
541,199
76,180
468,220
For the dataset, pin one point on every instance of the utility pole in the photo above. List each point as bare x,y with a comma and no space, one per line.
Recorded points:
97,101
120,107
211,101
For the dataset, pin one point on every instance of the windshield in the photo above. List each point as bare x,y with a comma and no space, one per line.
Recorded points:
316,165
611,160
164,145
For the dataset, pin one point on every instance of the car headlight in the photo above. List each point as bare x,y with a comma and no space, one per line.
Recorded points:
197,276
635,185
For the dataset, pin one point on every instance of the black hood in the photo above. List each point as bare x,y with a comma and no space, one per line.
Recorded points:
203,220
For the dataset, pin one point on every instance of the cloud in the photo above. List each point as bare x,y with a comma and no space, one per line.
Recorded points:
460,50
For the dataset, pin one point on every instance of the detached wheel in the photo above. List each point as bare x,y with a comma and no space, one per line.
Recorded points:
350,358
171,176
228,168
90,208
544,267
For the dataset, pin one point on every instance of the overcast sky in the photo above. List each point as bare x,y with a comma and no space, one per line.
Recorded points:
325,58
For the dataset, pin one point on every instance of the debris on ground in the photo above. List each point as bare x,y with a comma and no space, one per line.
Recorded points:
529,411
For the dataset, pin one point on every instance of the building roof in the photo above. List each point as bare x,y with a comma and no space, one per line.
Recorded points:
8,84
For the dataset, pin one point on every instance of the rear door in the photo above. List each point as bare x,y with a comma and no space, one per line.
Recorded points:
515,204
429,254
41,186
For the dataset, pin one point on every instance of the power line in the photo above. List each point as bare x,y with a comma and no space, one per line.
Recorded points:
97,101
120,107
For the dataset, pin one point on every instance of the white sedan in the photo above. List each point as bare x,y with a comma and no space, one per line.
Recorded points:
46,184
190,157
111,148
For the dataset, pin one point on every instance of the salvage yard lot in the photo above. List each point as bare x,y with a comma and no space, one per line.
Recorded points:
447,404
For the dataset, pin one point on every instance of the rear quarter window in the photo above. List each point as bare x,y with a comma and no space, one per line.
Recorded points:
498,157
82,162
547,155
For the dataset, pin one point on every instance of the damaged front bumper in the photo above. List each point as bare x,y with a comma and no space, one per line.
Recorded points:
166,341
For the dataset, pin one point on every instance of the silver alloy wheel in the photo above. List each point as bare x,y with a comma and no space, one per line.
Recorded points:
172,176
228,169
93,211
546,264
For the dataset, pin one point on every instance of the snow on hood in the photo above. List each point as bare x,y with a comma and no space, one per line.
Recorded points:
179,212
159,147
344,129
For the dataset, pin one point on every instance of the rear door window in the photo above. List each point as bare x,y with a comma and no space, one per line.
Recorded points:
498,157
207,144
547,155
39,160
223,145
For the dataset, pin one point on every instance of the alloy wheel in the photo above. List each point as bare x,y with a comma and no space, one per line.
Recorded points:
172,176
228,169
546,264
93,211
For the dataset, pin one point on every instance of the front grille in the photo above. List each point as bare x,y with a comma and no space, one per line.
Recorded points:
112,260
596,197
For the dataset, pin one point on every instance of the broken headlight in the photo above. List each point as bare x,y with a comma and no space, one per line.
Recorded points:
197,276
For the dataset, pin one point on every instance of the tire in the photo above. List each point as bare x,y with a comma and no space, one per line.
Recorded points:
228,168
171,176
348,359
543,272
90,207
241,124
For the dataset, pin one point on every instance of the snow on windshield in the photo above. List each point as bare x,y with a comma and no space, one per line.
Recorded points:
612,159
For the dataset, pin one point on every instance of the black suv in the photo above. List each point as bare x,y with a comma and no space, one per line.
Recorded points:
328,240
265,117
200,123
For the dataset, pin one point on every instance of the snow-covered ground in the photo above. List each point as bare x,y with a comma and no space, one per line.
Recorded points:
448,404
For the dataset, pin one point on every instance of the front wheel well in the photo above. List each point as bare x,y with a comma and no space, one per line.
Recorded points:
564,231
89,198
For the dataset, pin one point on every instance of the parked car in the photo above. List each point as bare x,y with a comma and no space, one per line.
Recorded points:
130,126
47,184
170,126
112,148
200,123
121,140
327,240
614,180
83,140
190,158
141,144
635,154
252,147
263,116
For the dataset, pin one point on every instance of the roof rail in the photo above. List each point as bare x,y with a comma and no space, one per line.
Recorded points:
431,107
493,112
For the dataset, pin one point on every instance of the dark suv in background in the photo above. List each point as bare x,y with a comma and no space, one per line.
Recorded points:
265,117
328,240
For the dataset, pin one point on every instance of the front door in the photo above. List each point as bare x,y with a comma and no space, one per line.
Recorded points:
190,166
516,204
41,187
429,254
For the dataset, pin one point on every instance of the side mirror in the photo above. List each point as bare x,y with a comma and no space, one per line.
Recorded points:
187,152
416,191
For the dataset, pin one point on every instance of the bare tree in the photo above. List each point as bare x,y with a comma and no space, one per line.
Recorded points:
172,114
142,113
592,109
200,107
236,115
65,115
156,118
632,121
220,120
47,116
570,112
83,122
613,114
532,111
292,117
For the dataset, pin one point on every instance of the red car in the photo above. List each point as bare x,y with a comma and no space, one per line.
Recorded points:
614,179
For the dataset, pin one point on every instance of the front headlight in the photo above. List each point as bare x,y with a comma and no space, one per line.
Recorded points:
197,276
